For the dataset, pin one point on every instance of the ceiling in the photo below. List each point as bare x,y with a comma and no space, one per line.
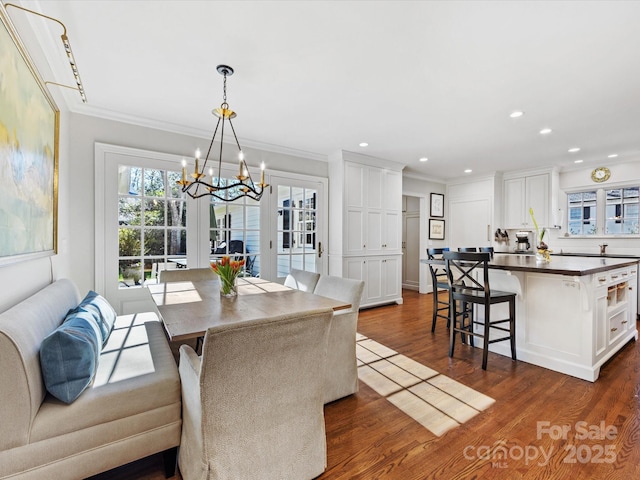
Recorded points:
412,79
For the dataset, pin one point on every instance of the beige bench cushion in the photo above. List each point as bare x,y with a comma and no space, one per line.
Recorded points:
136,373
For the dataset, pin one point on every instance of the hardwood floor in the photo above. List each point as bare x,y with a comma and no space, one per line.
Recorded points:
369,438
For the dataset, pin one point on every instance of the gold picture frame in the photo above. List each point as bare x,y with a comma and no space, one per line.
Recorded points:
29,131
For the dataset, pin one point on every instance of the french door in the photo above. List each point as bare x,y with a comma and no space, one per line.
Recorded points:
144,223
298,217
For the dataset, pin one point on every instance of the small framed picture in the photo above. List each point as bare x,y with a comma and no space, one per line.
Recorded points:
436,229
437,205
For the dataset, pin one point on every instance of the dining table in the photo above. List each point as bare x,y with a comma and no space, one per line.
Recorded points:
188,308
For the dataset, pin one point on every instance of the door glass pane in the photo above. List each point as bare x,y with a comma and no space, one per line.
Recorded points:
296,229
153,183
234,230
152,223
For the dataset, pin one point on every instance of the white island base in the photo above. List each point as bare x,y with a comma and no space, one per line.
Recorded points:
570,324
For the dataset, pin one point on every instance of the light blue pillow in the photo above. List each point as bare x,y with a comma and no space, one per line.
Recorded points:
102,310
69,356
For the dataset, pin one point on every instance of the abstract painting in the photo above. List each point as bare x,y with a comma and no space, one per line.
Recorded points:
28,154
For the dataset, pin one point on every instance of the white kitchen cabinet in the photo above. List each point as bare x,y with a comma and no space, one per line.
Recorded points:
373,221
570,324
365,232
523,193
382,277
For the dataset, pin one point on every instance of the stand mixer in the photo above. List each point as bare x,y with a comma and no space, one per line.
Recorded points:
523,245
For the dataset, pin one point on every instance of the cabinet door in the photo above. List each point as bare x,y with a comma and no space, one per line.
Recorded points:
374,280
514,203
470,223
354,178
392,191
537,197
354,242
375,194
391,271
392,232
374,238
354,268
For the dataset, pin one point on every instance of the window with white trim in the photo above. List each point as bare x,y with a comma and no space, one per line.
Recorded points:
613,212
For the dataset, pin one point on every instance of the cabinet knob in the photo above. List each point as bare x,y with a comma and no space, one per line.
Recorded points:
614,329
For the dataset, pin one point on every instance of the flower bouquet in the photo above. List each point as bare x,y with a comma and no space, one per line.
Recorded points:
228,271
542,249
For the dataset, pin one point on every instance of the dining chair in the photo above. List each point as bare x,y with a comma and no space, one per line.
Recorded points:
439,282
186,274
467,249
252,403
468,275
341,369
301,280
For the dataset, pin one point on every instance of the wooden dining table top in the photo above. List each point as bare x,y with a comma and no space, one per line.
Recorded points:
189,308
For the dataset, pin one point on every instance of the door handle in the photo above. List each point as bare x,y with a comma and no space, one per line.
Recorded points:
320,249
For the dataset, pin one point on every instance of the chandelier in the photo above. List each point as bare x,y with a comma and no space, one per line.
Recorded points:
225,189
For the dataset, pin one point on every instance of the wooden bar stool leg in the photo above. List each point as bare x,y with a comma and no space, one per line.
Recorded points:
512,326
452,321
485,338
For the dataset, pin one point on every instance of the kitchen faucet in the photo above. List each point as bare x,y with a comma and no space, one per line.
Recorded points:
603,248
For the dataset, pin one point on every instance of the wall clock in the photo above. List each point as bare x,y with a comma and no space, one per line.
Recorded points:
600,174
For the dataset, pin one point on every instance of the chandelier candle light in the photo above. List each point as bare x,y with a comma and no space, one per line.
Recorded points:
226,190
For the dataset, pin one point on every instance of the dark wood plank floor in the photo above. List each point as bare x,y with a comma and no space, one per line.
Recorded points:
369,438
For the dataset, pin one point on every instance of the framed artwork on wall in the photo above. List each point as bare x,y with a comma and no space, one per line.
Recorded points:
436,229
437,205
29,122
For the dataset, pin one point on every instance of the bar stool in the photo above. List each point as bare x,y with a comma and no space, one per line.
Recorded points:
439,282
468,275
487,250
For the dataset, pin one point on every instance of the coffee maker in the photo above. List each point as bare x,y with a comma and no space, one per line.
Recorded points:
523,245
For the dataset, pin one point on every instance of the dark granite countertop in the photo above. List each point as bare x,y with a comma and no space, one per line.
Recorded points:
561,264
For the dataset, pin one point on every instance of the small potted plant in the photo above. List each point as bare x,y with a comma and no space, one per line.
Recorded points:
542,249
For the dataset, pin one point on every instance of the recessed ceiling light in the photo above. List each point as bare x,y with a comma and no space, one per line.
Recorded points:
516,114
613,155
468,170
364,144
545,131
424,159
578,161
574,150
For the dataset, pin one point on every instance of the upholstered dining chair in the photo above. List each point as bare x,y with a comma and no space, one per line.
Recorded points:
252,403
468,275
186,274
439,282
341,371
301,280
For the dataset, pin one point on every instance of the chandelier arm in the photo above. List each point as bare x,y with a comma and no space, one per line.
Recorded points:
206,159
220,154
244,163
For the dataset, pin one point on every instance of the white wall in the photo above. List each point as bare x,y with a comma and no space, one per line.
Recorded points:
423,188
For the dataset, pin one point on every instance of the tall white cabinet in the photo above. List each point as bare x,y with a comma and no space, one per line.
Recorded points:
365,231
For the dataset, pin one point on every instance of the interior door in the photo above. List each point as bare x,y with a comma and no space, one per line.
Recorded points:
411,249
298,233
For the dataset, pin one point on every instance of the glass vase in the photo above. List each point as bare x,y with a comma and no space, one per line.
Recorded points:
228,287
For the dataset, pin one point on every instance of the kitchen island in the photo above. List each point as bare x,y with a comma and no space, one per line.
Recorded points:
572,313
